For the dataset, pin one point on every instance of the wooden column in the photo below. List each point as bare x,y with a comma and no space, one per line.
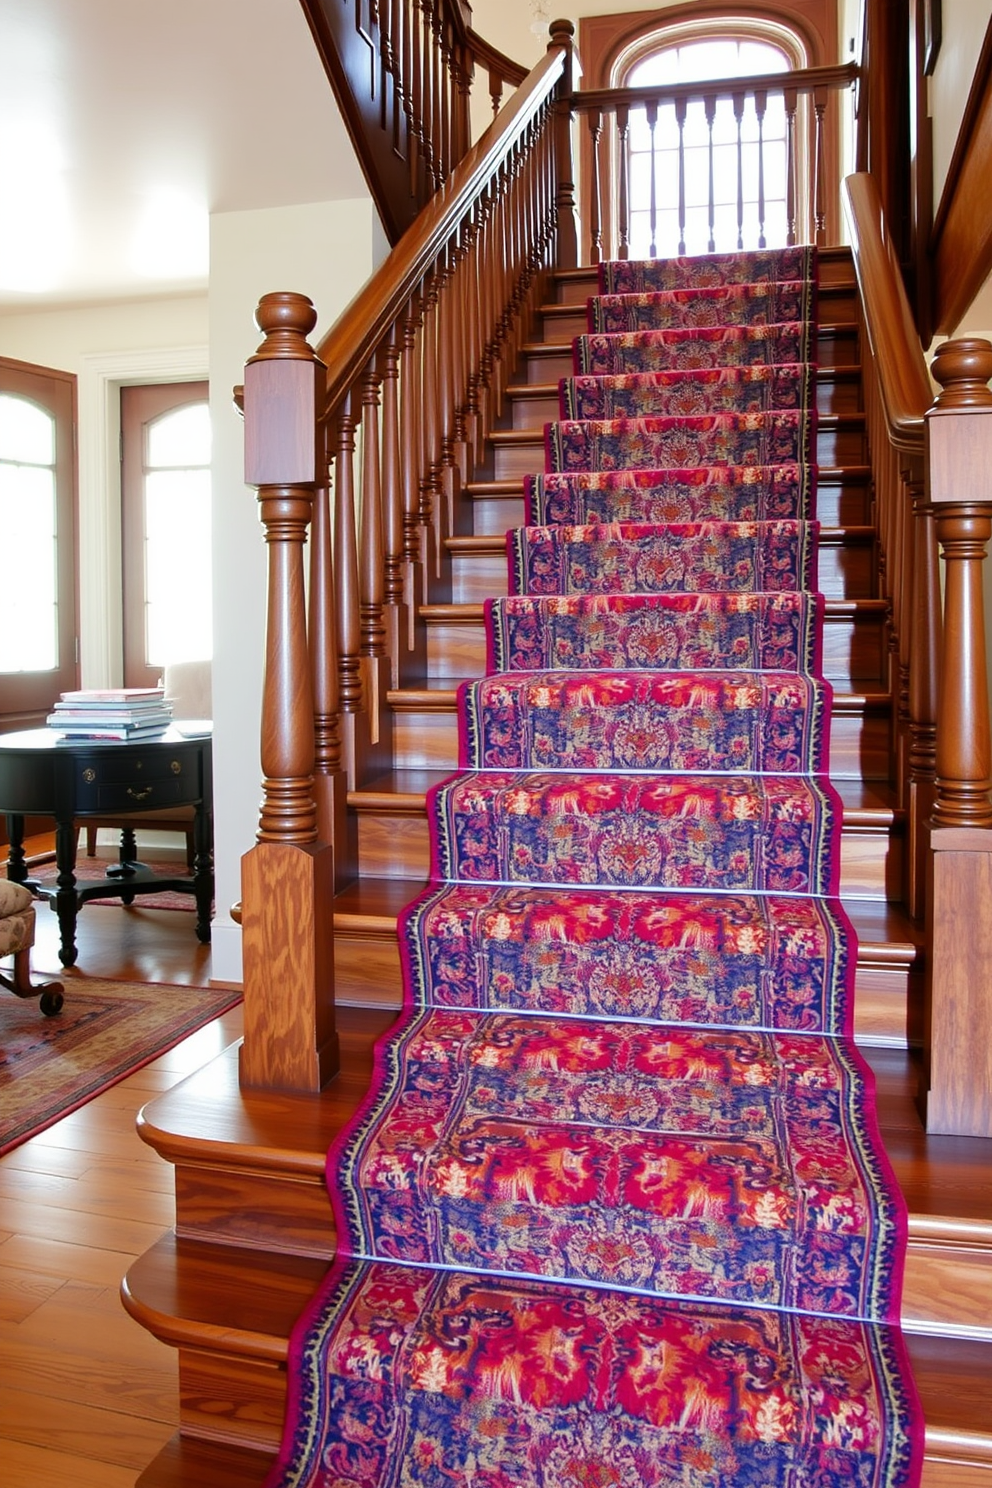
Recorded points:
290,1040
562,35
958,1022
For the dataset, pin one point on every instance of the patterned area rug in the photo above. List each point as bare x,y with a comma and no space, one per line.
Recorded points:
616,1210
89,870
105,1031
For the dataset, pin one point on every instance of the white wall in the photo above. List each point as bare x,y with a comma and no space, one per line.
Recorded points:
326,251
963,31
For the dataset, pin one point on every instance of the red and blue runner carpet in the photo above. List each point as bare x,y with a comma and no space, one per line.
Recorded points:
615,1210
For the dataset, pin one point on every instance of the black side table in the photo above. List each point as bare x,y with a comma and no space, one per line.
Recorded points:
42,774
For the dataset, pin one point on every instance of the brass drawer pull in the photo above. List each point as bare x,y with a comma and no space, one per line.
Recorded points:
139,795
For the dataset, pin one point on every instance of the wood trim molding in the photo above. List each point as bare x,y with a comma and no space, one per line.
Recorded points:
602,37
961,241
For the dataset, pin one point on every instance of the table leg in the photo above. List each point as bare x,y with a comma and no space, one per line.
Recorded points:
16,863
66,903
203,872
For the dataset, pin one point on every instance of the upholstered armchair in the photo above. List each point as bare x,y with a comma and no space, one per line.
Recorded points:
16,939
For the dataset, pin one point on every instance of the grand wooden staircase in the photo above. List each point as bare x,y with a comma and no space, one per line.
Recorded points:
254,1230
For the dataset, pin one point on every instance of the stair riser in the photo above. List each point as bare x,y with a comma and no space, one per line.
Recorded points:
838,504
834,276
367,974
568,319
398,847
530,412
226,1398
422,739
844,446
854,654
258,1210
843,573
834,348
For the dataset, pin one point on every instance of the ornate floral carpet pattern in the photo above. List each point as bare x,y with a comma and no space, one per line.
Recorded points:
616,1209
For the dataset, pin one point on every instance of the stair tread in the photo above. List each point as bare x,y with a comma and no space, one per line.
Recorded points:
886,936
208,1119
514,486
177,1284
535,435
867,799
850,372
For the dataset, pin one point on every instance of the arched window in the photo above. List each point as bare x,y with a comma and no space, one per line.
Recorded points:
37,539
708,42
165,528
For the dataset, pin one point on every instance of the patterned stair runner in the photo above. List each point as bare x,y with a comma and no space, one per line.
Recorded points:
616,1208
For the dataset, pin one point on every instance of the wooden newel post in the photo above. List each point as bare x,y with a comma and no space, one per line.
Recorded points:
562,34
958,1022
290,1041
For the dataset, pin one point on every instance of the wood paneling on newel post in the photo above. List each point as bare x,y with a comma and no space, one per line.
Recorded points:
290,1039
959,914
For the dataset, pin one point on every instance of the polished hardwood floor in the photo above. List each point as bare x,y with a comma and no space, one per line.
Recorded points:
87,1397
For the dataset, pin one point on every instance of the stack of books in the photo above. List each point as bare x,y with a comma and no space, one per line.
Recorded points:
112,713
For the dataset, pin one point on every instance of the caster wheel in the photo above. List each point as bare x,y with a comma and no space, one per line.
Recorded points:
51,1002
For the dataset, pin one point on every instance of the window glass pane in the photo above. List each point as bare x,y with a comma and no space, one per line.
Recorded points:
180,438
27,432
28,594
178,601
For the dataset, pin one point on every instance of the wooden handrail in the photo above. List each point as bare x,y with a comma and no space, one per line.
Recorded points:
904,384
804,79
349,343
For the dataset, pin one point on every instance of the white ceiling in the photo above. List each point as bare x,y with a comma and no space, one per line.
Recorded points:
124,123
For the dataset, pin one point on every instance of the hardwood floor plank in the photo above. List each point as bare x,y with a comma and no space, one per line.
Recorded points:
106,1437
63,1259
29,1466
22,1292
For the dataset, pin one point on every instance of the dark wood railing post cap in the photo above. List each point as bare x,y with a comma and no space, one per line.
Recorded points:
285,319
560,34
963,368
284,383
959,437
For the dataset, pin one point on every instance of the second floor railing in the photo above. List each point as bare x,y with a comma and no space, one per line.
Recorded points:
747,162
403,73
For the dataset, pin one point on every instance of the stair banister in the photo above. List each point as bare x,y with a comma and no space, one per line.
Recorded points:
897,393
932,464
290,1038
391,382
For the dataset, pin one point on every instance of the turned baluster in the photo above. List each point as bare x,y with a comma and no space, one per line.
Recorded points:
760,106
623,185
372,552
651,118
680,112
738,102
791,103
562,36
595,188
495,89
925,640
959,440
819,179
330,781
351,693
392,480
416,110
709,108
287,879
